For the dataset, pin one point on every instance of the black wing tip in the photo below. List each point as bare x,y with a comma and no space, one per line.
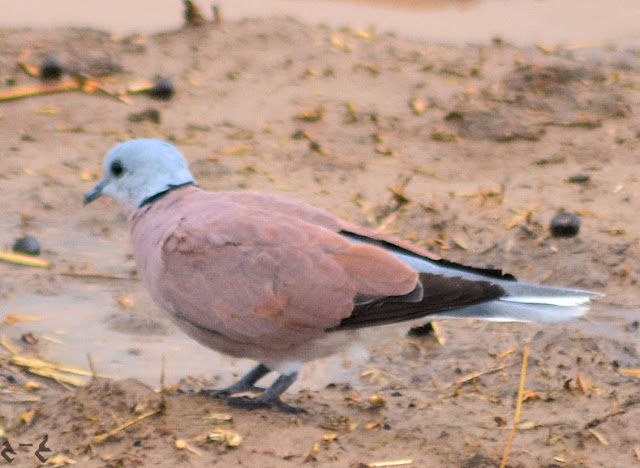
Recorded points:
494,273
440,294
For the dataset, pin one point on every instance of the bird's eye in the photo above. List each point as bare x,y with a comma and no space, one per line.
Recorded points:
116,168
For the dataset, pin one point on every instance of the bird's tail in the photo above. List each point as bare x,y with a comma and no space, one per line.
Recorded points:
523,302
526,302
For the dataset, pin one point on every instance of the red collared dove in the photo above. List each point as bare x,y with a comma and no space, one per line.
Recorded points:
278,281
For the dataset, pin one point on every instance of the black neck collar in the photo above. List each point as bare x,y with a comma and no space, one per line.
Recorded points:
159,195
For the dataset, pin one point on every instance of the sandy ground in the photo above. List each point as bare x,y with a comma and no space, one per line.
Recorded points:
467,150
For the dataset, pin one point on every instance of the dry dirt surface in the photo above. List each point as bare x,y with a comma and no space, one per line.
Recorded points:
467,150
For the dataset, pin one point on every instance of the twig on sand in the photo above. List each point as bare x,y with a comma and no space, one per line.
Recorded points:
383,464
163,388
17,397
70,84
102,437
28,361
22,259
50,370
599,436
97,275
516,418
437,332
28,68
92,368
474,375
162,367
78,82
630,372
8,346
619,409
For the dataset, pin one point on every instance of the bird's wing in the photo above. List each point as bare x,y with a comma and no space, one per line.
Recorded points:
433,294
440,290
262,276
275,272
403,248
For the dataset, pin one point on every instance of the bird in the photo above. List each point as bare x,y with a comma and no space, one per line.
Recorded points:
280,282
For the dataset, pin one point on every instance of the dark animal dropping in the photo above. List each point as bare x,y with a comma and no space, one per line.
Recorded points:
27,245
162,89
51,69
565,224
421,330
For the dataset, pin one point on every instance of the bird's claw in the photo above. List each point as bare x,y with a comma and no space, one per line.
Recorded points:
230,390
256,403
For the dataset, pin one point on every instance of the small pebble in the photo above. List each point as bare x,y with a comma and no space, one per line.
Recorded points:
162,89
27,245
51,69
565,224
29,338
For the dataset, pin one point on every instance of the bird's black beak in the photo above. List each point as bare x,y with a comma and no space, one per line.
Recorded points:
94,193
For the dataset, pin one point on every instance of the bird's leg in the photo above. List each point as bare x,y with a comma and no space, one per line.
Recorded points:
245,384
270,397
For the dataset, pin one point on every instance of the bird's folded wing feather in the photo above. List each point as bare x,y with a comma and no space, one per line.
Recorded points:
438,294
259,275
276,272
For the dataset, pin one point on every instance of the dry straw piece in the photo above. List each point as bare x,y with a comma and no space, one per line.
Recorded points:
383,464
50,370
21,259
516,418
102,437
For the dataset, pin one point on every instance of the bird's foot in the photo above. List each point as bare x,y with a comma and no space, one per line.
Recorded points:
231,389
245,384
270,398
259,402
